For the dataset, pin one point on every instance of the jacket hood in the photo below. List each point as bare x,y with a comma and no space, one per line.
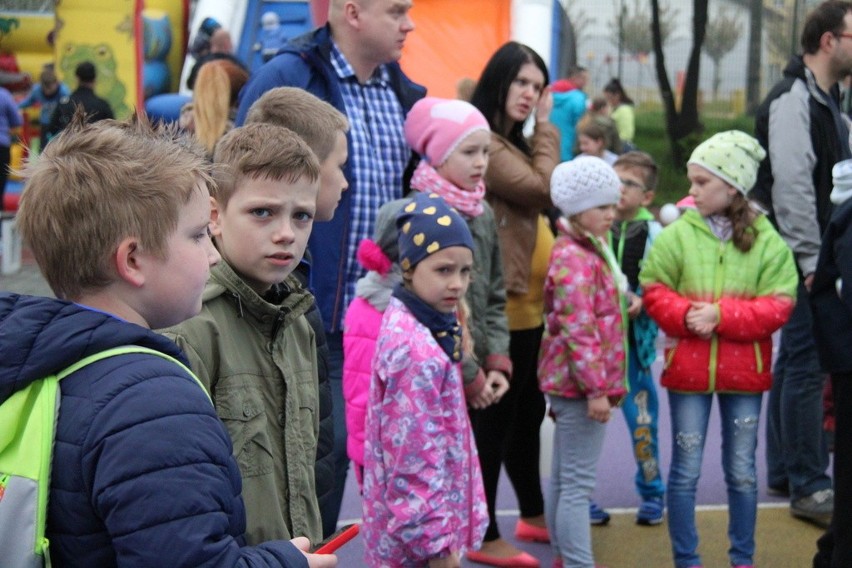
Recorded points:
41,336
564,99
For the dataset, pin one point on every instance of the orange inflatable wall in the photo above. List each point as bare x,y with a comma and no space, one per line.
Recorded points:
452,40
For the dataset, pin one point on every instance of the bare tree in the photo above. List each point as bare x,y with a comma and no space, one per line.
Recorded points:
755,55
636,25
723,33
580,21
680,124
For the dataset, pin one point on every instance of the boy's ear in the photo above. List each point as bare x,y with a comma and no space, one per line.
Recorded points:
128,262
215,217
647,198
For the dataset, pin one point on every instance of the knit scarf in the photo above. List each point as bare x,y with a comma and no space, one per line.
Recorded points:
428,180
445,328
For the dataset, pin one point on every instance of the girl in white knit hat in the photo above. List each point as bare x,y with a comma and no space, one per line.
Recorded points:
718,281
581,366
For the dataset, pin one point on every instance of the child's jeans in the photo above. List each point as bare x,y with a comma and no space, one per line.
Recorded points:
641,412
577,443
740,414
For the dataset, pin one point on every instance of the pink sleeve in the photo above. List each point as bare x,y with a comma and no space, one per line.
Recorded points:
361,330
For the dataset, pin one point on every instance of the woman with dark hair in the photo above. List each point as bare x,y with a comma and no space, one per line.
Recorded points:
512,87
622,110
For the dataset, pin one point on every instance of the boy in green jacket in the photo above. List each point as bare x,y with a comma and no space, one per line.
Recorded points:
251,345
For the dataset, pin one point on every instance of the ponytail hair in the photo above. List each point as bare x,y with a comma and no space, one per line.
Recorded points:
215,94
742,218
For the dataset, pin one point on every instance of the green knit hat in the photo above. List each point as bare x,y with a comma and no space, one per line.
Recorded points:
734,156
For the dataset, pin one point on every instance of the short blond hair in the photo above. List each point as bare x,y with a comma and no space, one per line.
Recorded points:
316,121
260,150
97,184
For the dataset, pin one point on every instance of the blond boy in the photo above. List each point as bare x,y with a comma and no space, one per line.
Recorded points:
251,344
321,126
116,215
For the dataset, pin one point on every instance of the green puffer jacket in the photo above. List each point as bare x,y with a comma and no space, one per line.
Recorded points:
754,293
258,361
486,297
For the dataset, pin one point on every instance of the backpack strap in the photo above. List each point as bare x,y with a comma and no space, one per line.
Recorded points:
27,432
125,350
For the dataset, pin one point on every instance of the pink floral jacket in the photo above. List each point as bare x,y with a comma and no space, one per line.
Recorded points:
423,494
582,351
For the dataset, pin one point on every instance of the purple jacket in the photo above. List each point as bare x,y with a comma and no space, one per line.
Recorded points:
423,494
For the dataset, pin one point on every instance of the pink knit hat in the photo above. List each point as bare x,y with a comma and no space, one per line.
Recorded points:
434,127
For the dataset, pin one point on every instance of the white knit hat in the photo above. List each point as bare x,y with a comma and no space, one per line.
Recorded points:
584,183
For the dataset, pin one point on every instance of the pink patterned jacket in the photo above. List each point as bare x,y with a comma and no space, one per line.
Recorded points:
582,351
423,494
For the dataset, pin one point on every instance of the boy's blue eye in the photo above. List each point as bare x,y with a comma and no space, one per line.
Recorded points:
261,212
303,216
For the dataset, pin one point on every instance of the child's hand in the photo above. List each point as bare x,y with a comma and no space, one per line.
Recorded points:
483,399
314,560
701,319
634,306
599,409
498,383
451,561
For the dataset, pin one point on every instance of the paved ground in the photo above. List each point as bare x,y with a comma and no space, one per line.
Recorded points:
26,281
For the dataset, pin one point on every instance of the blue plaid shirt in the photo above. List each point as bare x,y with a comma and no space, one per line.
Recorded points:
378,152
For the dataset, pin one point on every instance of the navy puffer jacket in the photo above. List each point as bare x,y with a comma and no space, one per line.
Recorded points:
142,472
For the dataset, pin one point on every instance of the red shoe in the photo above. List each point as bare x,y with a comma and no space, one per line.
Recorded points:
531,533
522,560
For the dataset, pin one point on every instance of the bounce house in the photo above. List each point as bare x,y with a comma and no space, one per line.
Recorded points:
452,39
137,47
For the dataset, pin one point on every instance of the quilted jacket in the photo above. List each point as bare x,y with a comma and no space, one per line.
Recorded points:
754,292
142,469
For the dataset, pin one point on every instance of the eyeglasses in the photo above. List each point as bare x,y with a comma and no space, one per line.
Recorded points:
844,34
630,184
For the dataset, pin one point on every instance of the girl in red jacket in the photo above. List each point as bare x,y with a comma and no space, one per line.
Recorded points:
719,281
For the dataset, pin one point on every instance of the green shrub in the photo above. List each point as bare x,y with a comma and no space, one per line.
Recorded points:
652,138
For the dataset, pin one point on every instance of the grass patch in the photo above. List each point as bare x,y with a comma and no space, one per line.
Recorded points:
651,137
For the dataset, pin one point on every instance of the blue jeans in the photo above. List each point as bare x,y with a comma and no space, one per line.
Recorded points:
641,412
796,445
577,443
690,413
341,460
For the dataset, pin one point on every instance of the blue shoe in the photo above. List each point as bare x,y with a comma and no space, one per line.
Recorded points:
650,512
597,516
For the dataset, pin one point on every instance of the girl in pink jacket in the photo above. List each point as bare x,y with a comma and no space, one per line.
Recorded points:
424,504
581,364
